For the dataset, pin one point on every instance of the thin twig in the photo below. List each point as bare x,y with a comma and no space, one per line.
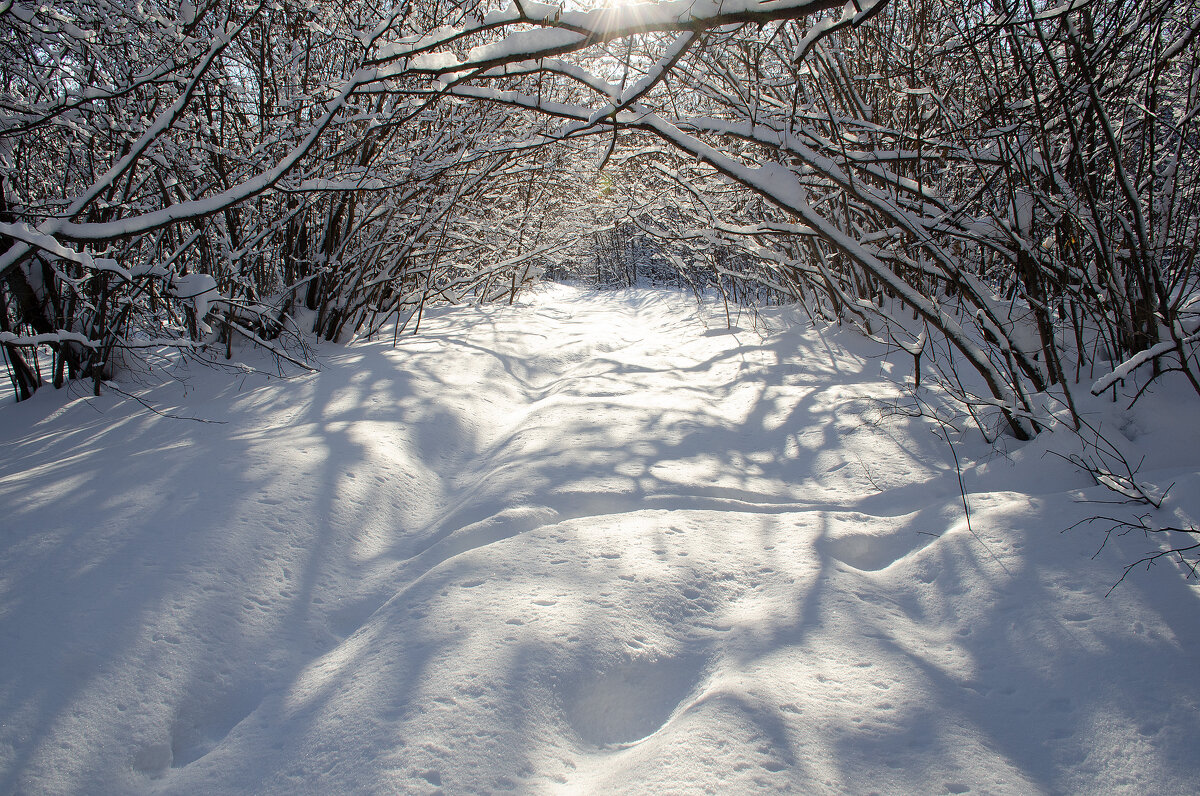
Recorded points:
159,412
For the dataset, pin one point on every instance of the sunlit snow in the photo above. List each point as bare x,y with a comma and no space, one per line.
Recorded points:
588,543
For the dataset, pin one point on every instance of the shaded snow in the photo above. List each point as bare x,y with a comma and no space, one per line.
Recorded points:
580,545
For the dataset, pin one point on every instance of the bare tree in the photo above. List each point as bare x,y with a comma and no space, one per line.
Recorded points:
1014,175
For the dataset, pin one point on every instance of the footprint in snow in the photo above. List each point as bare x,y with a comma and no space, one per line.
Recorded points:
630,701
870,552
153,759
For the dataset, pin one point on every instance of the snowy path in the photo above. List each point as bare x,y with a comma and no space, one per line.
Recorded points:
589,544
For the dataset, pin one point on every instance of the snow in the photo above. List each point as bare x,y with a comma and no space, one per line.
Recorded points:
61,336
588,543
1127,367
32,237
201,289
563,30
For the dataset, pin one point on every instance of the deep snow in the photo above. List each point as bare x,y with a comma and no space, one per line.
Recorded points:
590,543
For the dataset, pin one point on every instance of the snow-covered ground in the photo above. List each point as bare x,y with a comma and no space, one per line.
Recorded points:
591,543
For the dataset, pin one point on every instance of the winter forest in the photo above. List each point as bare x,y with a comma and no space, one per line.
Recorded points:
702,396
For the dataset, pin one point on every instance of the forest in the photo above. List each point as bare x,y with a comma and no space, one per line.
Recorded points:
379,301
1018,175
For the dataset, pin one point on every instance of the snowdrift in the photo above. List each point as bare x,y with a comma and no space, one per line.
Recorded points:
589,543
